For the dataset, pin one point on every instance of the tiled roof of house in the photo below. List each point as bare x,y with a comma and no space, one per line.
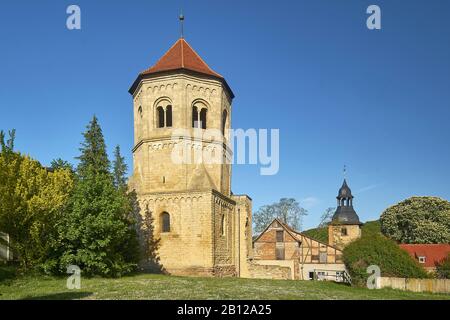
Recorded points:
433,253
181,56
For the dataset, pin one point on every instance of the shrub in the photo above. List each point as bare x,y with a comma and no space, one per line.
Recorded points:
375,249
443,269
418,220
371,228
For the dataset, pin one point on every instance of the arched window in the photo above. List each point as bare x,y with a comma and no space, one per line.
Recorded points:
222,225
160,112
224,121
343,231
194,117
169,116
165,218
140,112
203,118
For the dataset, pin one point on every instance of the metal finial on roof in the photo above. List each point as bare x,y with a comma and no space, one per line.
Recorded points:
345,171
181,18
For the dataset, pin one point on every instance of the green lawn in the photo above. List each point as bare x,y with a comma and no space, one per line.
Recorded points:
147,286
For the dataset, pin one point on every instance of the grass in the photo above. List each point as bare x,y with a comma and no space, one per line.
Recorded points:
151,286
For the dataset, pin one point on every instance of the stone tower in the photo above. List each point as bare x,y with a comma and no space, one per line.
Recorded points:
180,106
345,226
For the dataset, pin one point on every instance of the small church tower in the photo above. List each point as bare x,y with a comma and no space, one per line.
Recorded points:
345,226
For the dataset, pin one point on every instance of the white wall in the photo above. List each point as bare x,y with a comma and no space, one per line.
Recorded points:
328,268
5,253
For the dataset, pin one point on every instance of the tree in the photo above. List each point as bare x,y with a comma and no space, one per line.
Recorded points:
418,220
59,163
443,268
31,203
93,151
326,217
288,210
7,146
375,249
97,232
119,169
263,217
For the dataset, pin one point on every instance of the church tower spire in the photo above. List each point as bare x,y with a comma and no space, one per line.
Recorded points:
181,18
345,225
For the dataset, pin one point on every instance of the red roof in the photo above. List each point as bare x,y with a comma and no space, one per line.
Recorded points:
181,56
433,253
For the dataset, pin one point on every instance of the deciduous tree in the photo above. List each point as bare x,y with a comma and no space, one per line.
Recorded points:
288,210
418,220
31,202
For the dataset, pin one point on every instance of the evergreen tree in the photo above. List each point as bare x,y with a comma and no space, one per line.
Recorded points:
97,231
119,170
8,145
59,163
93,151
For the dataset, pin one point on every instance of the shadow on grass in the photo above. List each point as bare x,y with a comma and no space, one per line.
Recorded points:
7,273
60,296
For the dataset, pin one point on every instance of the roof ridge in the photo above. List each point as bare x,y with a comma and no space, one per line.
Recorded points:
198,56
163,56
182,52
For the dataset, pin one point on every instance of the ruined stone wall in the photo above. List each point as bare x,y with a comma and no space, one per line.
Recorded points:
280,270
243,238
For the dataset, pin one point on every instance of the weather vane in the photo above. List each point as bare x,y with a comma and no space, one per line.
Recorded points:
181,17
345,171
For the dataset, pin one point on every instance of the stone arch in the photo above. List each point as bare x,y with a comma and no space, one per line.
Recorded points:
165,222
200,113
163,109
224,120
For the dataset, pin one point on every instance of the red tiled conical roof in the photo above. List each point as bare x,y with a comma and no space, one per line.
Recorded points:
181,56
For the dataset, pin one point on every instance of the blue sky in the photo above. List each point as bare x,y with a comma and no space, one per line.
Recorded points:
377,101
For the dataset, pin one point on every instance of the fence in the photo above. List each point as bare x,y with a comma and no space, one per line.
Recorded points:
416,285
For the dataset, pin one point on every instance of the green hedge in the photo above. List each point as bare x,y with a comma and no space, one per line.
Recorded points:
375,249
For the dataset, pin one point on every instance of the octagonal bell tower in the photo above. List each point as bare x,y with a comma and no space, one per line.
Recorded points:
180,93
182,106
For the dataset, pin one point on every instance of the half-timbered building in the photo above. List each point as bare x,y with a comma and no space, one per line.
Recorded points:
308,258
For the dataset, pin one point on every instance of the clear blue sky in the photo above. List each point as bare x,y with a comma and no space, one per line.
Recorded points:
377,101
